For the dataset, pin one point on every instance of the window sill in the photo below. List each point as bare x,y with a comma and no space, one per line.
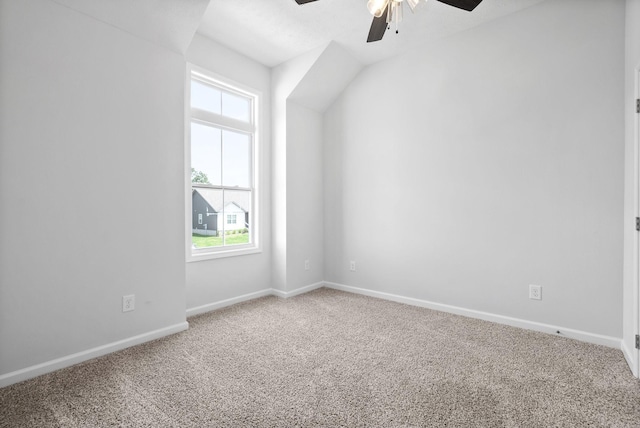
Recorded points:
212,255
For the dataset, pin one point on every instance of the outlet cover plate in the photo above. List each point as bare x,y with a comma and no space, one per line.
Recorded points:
535,292
128,303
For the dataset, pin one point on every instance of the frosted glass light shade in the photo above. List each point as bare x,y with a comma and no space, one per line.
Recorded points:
395,11
377,7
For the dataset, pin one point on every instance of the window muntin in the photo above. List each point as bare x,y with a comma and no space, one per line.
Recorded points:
210,98
222,141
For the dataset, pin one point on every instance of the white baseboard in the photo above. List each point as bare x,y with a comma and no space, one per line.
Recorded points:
69,360
261,293
612,342
628,355
297,291
228,302
50,366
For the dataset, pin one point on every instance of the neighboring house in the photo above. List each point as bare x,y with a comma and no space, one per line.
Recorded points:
211,214
234,217
204,217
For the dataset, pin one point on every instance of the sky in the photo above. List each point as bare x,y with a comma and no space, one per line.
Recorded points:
223,155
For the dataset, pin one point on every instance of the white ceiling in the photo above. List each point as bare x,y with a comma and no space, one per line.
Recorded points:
274,31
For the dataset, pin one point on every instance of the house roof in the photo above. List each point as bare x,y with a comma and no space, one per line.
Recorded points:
240,198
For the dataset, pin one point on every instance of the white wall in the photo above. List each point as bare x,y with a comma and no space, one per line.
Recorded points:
285,78
302,89
91,194
506,142
305,227
632,65
212,281
513,171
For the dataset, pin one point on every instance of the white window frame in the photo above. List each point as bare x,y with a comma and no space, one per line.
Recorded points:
198,254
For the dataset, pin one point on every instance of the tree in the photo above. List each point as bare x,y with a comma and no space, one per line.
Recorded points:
199,177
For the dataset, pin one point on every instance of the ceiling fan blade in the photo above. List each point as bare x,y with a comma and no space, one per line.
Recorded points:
304,1
462,4
378,27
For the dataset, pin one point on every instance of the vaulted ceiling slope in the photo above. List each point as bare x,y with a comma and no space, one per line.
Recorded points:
332,71
169,23
274,31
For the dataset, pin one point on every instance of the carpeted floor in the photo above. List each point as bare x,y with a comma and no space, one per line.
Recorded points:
329,358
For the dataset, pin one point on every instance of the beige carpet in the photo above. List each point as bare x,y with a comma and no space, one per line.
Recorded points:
330,359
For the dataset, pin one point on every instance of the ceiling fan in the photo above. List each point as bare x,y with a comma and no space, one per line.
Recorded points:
386,12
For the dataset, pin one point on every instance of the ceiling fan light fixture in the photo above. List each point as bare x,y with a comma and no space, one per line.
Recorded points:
377,7
395,12
416,4
389,12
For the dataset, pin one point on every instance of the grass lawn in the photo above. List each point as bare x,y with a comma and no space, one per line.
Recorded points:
201,241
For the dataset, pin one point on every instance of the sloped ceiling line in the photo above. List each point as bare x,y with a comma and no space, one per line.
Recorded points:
326,78
168,23
274,31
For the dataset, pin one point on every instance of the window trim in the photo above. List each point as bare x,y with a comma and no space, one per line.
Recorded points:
253,128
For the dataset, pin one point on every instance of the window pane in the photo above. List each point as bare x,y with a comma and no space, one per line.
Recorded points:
236,106
236,164
206,154
237,208
205,97
222,175
207,228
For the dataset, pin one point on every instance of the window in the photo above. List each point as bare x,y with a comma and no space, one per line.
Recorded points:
221,158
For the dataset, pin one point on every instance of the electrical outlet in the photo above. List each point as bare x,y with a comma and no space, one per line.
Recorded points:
535,292
128,303
352,266
307,265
